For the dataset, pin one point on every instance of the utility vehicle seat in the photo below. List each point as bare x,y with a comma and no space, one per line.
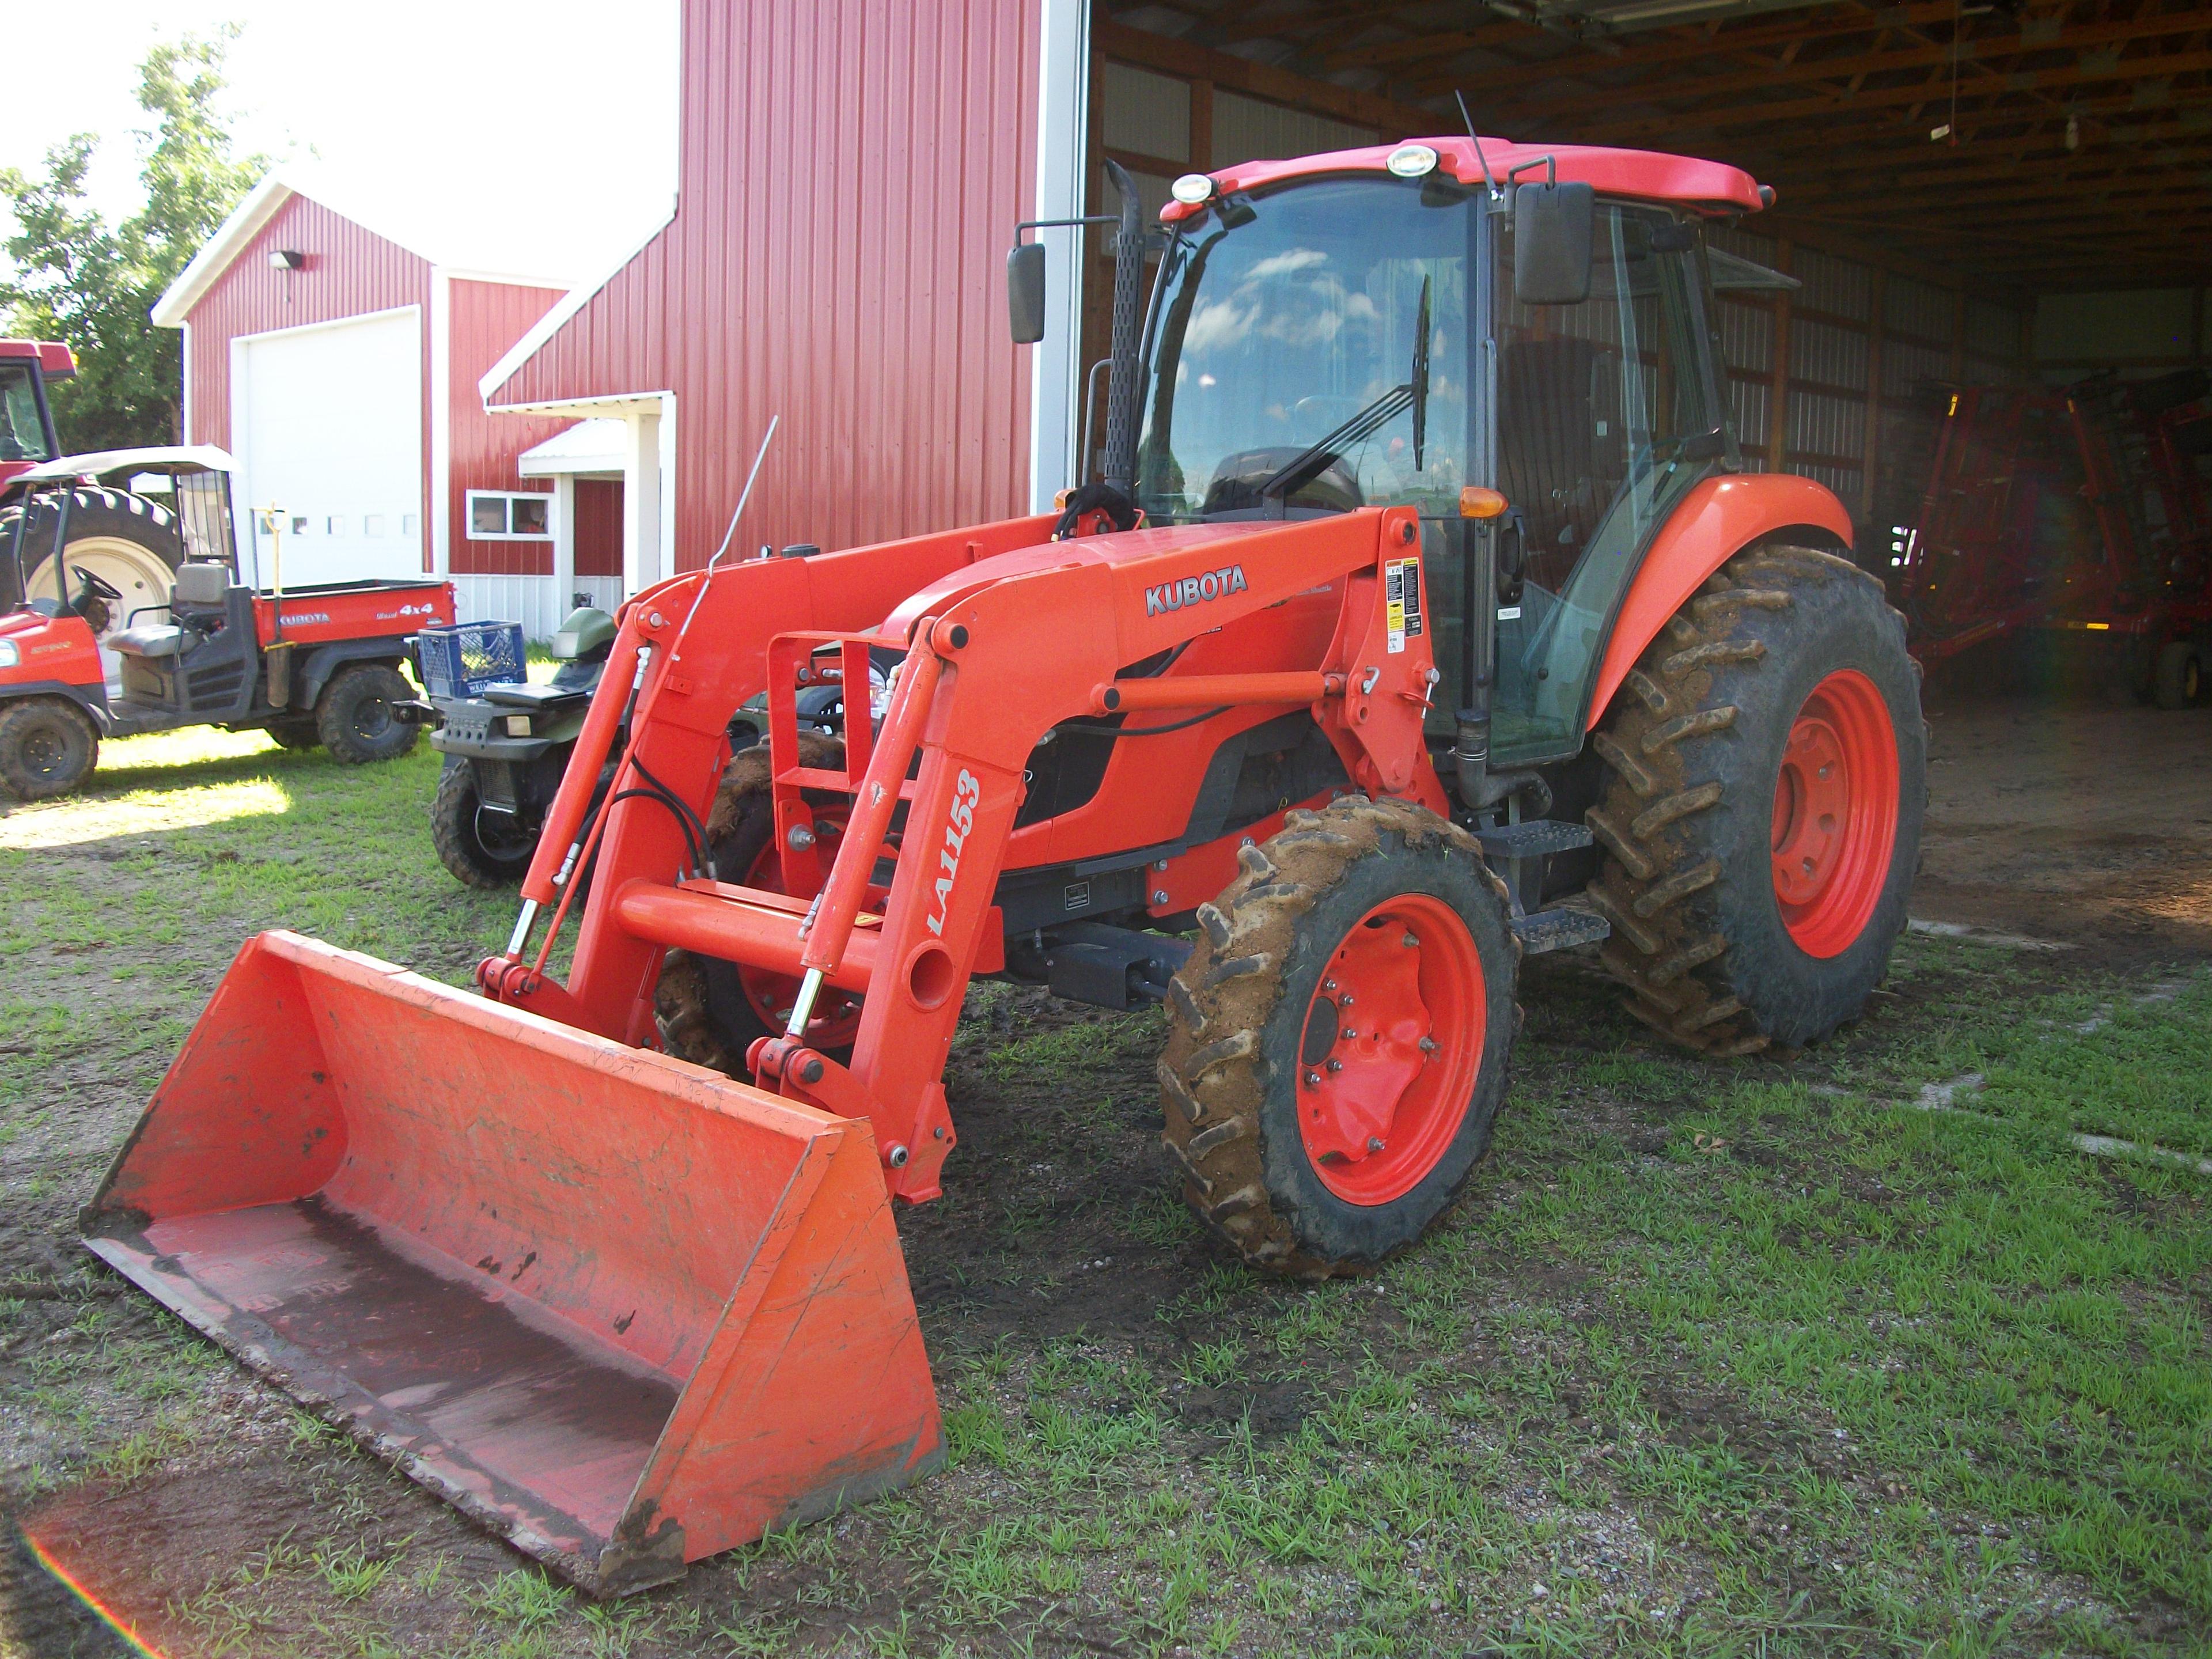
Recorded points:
198,586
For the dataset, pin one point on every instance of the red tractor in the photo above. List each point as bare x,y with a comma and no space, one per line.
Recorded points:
1424,618
103,636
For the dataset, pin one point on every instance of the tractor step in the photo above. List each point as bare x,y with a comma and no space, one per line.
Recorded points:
1558,929
1536,838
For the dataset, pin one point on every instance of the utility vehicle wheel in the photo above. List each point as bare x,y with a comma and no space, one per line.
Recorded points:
482,850
1337,1042
125,539
296,733
1762,819
2181,675
47,747
709,1011
353,716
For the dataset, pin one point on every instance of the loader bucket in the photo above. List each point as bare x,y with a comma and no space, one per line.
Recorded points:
617,1307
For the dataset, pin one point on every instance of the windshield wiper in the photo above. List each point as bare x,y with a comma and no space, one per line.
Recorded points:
1318,456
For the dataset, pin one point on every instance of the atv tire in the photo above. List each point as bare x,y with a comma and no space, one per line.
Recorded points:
126,539
701,1005
459,826
47,747
353,717
1768,775
2181,675
1319,1133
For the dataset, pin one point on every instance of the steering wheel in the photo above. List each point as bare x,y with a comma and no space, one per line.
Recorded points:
104,589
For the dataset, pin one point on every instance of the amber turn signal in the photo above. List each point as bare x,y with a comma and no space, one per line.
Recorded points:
1476,502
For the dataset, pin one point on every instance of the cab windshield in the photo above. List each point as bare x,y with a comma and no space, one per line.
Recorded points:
1279,318
1282,317
23,433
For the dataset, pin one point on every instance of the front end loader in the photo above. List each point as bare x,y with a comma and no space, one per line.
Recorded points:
1424,618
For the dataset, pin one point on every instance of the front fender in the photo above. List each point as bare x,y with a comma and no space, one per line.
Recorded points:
1716,521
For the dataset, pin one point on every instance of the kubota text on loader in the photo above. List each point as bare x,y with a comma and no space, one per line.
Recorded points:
1423,617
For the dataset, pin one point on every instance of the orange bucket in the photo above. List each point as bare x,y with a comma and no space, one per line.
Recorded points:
617,1307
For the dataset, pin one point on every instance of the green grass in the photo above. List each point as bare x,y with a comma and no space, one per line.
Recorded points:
1712,1359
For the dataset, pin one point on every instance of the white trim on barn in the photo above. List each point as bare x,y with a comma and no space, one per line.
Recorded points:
1057,362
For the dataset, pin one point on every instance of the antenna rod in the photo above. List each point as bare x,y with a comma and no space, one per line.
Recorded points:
1474,138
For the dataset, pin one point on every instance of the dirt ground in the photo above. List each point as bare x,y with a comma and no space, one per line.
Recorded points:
2077,821
223,1521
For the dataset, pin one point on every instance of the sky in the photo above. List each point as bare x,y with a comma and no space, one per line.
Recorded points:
543,129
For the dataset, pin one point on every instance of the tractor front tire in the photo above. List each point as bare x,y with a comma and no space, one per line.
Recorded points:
708,1011
1337,1042
353,718
2181,675
47,747
491,854
1768,766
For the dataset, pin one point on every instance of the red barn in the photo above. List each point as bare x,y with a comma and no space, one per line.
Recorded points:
338,363
851,174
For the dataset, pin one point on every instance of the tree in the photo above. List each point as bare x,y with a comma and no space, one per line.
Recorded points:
77,279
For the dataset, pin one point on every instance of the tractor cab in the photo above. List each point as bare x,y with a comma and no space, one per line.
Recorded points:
27,367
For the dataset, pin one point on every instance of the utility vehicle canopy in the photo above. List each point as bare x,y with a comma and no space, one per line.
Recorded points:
205,456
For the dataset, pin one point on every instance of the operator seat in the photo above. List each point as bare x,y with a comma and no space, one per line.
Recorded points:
1559,445
198,601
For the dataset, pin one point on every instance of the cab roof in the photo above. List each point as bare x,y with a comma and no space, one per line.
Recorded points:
1647,175
56,361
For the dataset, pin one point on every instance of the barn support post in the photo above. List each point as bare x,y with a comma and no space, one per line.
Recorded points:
1777,391
564,543
642,559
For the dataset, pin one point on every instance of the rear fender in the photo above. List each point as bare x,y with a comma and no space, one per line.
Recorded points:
1716,521
325,660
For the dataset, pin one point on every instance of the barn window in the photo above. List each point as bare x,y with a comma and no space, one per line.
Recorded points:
497,515
372,525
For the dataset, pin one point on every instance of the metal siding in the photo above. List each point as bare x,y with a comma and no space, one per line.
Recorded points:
1918,308
349,272
486,320
851,174
1841,288
1834,356
1905,367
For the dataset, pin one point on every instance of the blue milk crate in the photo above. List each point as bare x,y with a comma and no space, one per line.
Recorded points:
459,660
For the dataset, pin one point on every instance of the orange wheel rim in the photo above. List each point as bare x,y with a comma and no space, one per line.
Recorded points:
1835,814
1391,1048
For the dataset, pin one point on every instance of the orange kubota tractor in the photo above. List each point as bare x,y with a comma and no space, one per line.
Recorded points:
1423,617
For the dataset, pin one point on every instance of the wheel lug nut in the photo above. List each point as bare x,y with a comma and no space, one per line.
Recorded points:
1428,1045
1313,1079
1335,1065
1329,985
1344,1000
1411,942
1374,1142
1349,1033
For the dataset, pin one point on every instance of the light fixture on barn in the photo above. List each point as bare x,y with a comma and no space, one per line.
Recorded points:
2073,133
286,258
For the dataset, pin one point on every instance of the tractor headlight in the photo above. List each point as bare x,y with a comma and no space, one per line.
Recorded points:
518,725
9,653
1192,189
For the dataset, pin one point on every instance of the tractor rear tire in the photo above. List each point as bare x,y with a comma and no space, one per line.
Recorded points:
47,747
353,718
1319,1133
457,826
127,540
1761,824
2181,675
705,1010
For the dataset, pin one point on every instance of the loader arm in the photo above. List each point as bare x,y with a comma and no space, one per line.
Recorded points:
1013,643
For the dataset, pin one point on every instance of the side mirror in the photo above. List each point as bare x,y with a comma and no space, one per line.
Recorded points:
1552,228
1026,291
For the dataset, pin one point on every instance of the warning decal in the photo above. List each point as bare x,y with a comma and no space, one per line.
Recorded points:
1401,598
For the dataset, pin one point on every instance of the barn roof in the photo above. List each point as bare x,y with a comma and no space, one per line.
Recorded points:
457,236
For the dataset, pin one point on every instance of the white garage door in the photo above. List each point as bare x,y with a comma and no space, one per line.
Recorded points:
328,421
